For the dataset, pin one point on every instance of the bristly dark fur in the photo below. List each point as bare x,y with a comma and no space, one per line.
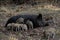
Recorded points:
32,18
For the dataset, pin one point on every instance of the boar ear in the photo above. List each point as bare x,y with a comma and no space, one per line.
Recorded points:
39,16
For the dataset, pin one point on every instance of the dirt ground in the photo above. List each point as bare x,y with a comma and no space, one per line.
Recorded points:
35,34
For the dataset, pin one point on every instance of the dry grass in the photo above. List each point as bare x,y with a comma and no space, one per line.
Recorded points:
12,37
